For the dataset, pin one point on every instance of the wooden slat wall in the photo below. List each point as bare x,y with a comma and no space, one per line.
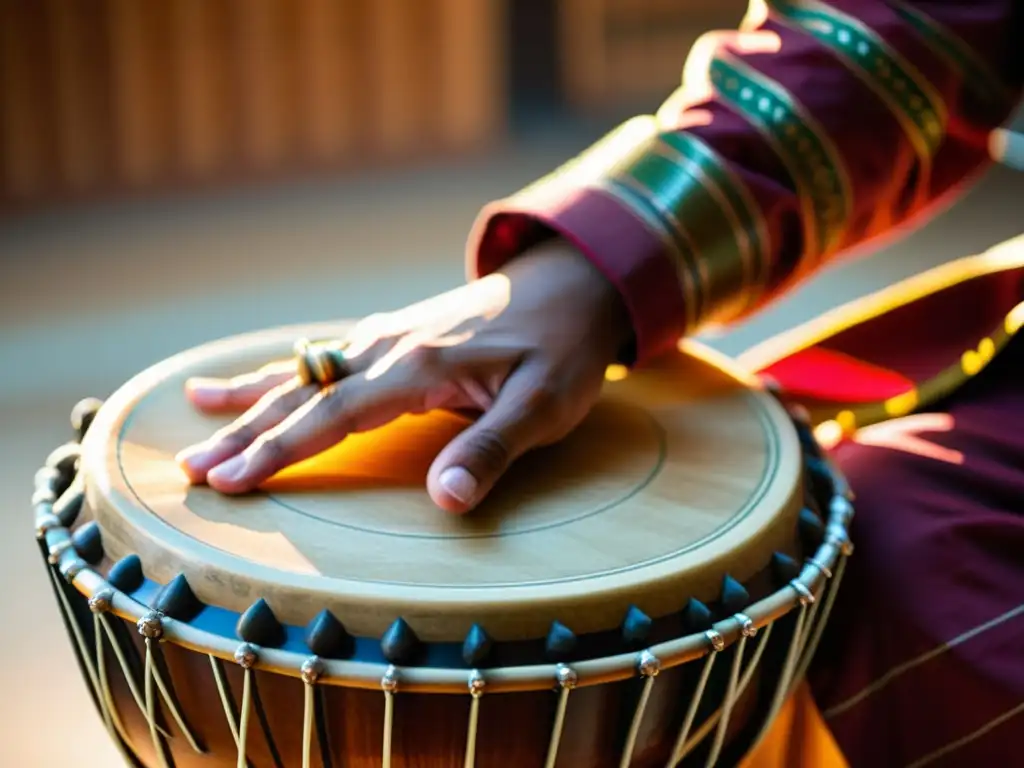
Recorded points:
106,95
632,51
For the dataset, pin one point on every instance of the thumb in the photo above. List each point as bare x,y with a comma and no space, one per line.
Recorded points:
524,414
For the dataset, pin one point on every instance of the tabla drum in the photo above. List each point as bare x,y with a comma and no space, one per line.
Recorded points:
646,593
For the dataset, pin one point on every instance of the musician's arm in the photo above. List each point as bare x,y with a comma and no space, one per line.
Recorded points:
810,131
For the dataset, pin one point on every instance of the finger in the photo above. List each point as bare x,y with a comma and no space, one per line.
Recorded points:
524,415
352,405
269,411
238,392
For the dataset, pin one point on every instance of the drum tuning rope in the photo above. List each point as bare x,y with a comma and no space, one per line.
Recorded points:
100,604
110,720
649,666
312,668
748,674
567,680
717,645
225,702
747,631
245,656
388,684
476,692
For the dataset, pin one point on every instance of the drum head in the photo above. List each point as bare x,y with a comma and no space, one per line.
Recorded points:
683,473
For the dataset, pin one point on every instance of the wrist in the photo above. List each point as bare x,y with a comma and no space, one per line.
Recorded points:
598,297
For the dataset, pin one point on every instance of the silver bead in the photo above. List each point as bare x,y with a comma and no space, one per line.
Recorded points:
101,601
58,549
312,669
822,569
841,509
389,683
477,683
839,537
747,628
567,677
716,640
70,569
151,626
648,665
245,656
804,595
46,522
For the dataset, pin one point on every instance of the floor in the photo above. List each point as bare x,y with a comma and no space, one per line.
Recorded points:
91,295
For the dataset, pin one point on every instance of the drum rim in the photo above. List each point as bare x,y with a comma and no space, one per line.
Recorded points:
660,574
814,575
803,590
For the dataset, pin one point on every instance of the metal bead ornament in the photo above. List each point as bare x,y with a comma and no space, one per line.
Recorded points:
312,670
102,601
245,656
151,626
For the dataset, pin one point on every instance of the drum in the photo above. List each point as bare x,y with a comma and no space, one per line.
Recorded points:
647,592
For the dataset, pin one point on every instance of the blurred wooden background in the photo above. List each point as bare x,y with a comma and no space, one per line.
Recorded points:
102,96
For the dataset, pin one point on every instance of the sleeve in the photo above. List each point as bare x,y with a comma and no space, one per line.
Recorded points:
809,132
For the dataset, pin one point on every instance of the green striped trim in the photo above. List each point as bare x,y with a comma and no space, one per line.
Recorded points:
813,162
907,93
748,222
977,75
643,202
685,193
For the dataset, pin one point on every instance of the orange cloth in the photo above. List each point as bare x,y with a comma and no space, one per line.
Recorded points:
798,739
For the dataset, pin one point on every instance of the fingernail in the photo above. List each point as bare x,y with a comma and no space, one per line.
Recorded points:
209,391
191,460
229,471
459,484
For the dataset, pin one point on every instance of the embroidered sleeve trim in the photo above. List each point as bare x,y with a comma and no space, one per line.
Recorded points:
814,163
976,74
908,94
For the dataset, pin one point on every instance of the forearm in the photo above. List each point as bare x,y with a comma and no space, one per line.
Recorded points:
794,140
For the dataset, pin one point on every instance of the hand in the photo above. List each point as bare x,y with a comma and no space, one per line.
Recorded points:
527,347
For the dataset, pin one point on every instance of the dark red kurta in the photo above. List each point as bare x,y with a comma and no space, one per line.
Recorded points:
812,132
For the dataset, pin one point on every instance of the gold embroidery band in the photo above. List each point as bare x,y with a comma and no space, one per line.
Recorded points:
644,204
728,223
685,194
976,74
813,162
908,94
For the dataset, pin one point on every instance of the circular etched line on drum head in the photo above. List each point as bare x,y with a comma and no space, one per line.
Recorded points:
631,451
681,473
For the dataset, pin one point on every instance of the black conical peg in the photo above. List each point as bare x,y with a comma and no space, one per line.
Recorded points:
561,642
821,481
636,627
177,600
259,626
88,542
784,568
476,647
811,528
735,597
68,507
697,617
400,645
327,637
126,574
